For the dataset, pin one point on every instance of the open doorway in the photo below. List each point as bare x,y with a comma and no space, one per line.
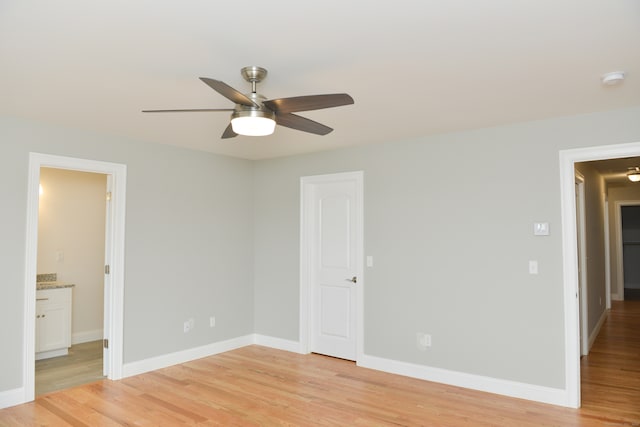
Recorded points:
113,261
568,161
630,249
70,279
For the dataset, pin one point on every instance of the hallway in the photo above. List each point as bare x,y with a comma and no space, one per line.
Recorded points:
611,372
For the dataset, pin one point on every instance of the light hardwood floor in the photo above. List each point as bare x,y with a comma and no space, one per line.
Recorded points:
257,386
82,365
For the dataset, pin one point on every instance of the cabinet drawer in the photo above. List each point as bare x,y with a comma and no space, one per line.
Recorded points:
54,296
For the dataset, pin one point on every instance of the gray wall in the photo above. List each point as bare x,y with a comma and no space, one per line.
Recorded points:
189,240
449,222
448,219
595,195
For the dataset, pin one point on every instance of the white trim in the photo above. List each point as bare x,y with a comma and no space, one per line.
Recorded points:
596,329
183,356
581,236
443,376
278,343
459,379
86,336
607,256
568,158
52,353
620,245
616,291
119,174
11,397
475,382
305,237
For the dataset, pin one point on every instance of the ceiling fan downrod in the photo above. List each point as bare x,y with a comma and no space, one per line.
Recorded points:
253,75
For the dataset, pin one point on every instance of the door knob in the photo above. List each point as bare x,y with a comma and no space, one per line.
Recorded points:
354,279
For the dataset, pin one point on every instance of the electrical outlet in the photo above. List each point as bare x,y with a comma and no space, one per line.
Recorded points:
189,325
212,321
423,341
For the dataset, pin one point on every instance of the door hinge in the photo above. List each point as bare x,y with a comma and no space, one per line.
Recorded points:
105,343
108,196
107,269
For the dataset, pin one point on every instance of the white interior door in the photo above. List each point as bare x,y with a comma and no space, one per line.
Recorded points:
335,266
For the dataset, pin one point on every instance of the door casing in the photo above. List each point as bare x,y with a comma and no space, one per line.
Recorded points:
114,254
306,230
568,159
583,287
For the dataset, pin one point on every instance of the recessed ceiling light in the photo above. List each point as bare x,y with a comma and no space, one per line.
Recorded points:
613,78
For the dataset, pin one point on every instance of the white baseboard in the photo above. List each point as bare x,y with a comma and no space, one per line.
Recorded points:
459,379
159,362
475,382
52,353
596,330
278,343
11,397
86,336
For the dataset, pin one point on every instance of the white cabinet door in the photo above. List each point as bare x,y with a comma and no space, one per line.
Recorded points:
53,319
53,327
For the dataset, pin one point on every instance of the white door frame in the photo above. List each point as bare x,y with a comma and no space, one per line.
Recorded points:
607,255
619,245
568,158
582,264
118,175
306,230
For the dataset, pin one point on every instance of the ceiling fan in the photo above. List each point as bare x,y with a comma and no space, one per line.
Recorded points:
255,115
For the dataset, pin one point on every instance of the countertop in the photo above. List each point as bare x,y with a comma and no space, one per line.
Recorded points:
53,285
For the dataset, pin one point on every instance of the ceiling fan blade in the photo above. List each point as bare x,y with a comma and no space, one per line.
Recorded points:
229,92
228,132
307,103
191,110
302,123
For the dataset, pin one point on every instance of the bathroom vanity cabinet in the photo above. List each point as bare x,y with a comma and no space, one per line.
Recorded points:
53,321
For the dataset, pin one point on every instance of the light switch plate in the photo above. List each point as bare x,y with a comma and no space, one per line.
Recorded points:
541,228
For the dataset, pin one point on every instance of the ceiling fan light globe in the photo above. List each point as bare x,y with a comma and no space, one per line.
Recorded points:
253,122
253,126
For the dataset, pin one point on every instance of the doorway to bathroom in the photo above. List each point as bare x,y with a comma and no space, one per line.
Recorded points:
70,278
62,254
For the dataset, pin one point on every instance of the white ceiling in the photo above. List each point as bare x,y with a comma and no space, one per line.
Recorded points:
414,68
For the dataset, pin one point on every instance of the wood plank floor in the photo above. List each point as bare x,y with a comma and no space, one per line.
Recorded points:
611,372
258,386
82,365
